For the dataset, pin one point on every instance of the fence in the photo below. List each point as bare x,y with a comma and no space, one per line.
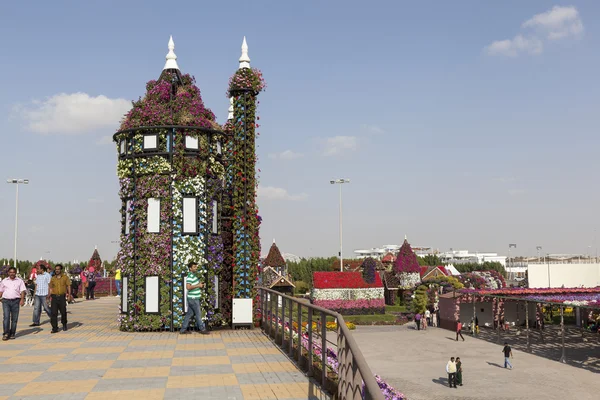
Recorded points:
300,329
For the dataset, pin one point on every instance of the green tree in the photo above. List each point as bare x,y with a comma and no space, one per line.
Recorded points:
430,260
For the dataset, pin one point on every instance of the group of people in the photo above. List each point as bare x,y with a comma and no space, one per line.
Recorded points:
55,289
429,318
454,370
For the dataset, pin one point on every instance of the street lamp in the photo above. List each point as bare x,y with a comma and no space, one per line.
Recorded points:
340,182
538,248
17,182
511,246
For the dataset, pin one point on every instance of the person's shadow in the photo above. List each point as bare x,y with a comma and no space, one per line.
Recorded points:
494,364
441,381
30,331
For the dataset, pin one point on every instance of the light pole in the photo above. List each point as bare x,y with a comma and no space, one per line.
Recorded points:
340,182
17,182
548,255
510,246
538,248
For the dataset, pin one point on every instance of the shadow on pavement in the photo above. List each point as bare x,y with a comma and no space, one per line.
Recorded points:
441,381
494,364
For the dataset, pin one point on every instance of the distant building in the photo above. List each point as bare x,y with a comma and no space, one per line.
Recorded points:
382,252
463,256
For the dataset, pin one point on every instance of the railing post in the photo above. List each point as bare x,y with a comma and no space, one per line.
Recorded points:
270,300
282,320
342,364
309,354
323,349
291,328
299,331
276,314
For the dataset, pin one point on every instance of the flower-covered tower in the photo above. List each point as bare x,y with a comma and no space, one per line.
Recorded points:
171,168
243,249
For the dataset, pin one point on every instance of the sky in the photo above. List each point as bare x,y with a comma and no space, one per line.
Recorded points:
465,125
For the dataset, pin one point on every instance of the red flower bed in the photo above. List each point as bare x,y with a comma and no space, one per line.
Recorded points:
343,280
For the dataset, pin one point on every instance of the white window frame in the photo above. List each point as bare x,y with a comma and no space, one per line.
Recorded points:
153,223
124,294
149,146
192,143
127,216
219,147
215,217
152,295
122,146
188,206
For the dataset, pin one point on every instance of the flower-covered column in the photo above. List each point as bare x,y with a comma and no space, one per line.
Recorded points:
244,86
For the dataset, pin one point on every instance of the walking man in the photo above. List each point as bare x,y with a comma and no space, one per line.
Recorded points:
459,331
60,290
451,370
193,286
12,290
418,321
118,281
507,354
41,292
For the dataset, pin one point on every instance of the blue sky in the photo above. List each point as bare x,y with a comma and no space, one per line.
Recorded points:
461,124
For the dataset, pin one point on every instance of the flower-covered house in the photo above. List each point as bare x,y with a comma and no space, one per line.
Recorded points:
188,190
275,274
348,292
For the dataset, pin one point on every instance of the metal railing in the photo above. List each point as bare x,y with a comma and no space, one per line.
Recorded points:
300,329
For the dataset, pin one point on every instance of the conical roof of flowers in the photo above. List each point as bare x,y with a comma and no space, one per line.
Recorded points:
274,258
96,256
173,99
406,261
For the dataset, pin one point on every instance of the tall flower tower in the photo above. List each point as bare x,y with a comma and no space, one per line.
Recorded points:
244,87
181,175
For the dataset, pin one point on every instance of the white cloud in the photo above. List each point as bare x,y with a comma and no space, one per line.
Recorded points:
73,113
286,155
338,144
556,23
372,129
275,193
104,140
515,46
516,192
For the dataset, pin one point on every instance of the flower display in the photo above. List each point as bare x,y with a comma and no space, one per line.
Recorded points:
369,269
406,261
348,293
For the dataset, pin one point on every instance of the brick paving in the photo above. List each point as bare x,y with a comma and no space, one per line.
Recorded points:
414,362
94,360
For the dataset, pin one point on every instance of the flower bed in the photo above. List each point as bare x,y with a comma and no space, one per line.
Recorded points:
348,293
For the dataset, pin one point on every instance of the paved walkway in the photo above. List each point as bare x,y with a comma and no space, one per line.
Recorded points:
414,362
94,360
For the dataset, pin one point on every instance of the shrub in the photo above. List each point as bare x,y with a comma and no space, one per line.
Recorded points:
301,287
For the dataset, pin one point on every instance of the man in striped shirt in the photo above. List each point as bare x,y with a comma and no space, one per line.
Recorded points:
193,286
41,292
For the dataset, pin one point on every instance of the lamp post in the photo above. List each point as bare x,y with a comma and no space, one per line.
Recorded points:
538,248
510,246
340,182
17,182
548,255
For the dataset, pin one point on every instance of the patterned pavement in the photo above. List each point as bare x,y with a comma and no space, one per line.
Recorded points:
94,360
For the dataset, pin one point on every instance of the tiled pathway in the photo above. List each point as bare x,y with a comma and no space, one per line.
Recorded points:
94,360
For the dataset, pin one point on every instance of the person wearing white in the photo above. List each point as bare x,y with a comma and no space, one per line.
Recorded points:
428,317
451,370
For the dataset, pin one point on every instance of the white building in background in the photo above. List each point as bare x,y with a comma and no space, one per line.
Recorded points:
379,252
556,274
458,256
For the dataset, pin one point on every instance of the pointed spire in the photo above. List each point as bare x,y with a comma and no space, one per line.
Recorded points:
405,238
230,115
171,57
244,59
96,247
273,240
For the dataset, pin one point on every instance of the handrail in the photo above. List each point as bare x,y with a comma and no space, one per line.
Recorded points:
357,363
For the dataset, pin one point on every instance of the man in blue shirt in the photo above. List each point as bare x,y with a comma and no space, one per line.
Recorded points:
41,292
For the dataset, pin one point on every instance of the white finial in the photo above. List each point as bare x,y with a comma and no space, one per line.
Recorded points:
230,115
405,238
244,59
96,247
171,57
273,240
